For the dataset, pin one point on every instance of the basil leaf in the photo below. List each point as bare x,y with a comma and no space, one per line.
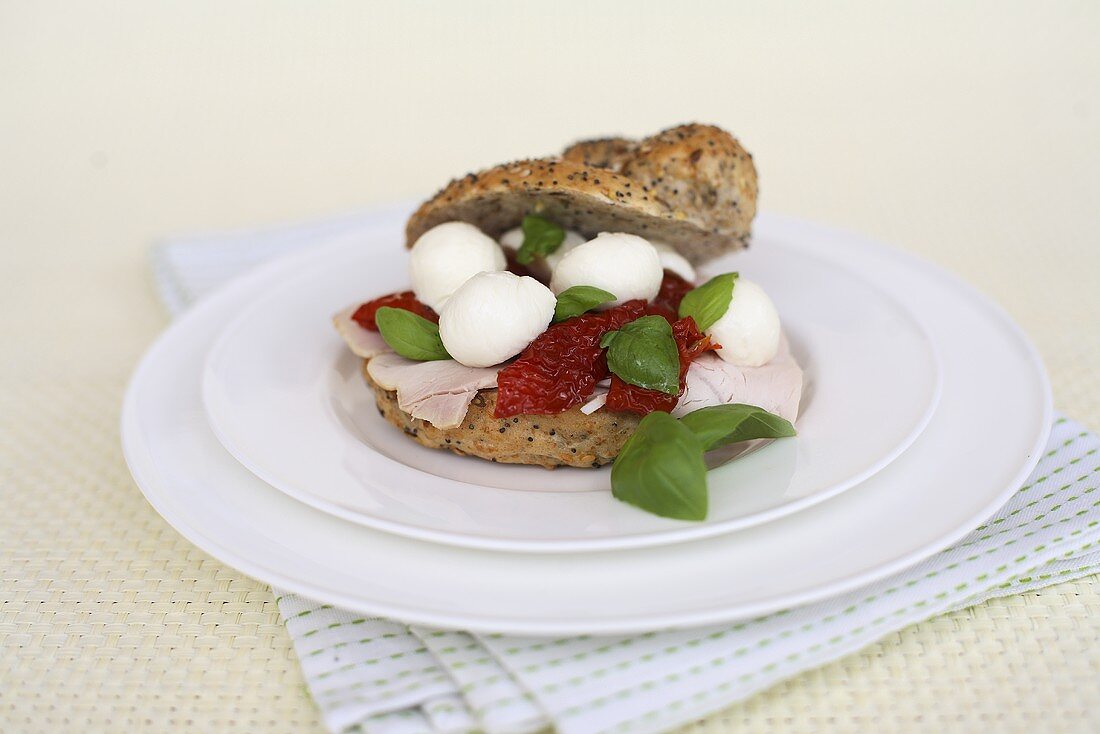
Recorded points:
710,301
643,353
720,425
541,237
411,336
579,299
660,469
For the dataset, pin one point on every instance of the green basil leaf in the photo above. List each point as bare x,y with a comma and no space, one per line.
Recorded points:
541,237
411,336
579,299
660,469
720,425
710,301
643,353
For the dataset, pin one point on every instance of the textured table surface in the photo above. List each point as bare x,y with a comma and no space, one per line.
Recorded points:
971,137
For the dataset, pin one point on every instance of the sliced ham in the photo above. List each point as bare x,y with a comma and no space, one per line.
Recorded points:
362,342
439,392
776,387
598,399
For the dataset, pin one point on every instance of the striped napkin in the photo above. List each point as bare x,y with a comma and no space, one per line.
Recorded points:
382,676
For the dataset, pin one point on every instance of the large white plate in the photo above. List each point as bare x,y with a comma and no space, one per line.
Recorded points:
981,443
287,399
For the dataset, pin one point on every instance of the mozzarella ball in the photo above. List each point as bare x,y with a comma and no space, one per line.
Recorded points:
749,329
542,267
446,256
622,264
492,317
674,261
512,239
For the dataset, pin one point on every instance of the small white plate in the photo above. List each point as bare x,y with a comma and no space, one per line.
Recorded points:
982,442
287,399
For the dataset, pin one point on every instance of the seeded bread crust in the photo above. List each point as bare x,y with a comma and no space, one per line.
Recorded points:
692,187
700,169
602,152
566,439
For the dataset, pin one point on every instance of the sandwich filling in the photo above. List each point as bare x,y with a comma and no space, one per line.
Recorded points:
553,321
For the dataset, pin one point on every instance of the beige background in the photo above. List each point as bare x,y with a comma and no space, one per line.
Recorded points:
969,134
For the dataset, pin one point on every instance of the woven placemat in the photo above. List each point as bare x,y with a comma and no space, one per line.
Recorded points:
109,620
965,133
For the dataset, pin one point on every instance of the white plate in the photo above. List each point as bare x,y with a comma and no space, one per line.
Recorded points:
287,399
982,442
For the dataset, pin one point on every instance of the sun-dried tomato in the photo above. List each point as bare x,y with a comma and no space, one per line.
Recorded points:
561,367
673,289
624,397
513,265
364,315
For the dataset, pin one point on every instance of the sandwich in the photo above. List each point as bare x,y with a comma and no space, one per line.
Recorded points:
555,306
